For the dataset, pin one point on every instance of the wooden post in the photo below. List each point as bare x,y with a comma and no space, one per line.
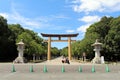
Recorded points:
49,49
69,48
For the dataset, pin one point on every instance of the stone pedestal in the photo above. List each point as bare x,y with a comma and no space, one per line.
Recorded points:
102,60
96,60
20,58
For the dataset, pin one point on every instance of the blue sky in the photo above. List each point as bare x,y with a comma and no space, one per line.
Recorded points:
58,16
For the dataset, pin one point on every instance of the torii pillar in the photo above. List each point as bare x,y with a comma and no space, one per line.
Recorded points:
69,48
49,49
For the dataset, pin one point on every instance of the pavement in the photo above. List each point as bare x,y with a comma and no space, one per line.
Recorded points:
54,71
59,76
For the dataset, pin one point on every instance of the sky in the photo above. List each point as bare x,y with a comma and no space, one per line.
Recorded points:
58,16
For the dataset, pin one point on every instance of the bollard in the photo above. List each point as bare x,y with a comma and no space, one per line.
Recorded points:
31,68
93,69
80,69
63,69
107,68
13,68
45,69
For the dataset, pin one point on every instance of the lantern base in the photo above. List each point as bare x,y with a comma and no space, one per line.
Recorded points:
96,60
19,60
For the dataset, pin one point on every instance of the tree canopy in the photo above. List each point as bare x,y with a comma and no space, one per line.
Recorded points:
107,30
7,41
33,43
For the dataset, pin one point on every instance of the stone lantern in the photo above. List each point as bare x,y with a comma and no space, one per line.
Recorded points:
97,48
20,48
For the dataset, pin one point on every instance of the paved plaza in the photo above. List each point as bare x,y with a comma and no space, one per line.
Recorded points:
54,71
59,76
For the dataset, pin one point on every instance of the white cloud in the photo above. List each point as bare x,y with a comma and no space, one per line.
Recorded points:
90,19
33,23
59,16
29,23
26,21
4,15
70,31
96,5
83,28
17,18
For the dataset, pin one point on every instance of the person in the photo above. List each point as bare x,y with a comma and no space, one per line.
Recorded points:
67,61
63,59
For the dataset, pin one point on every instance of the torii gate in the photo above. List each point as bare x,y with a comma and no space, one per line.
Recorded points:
59,40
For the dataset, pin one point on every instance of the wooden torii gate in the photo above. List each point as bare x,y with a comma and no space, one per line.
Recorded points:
59,40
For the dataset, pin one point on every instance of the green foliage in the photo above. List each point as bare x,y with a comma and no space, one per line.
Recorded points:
7,42
12,34
55,52
76,49
16,29
107,30
64,51
33,43
112,43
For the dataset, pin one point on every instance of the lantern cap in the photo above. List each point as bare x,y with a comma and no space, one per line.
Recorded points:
96,43
21,42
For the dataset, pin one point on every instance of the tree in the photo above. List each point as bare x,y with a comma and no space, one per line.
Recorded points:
55,52
64,51
16,29
7,43
99,30
76,51
112,43
33,43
